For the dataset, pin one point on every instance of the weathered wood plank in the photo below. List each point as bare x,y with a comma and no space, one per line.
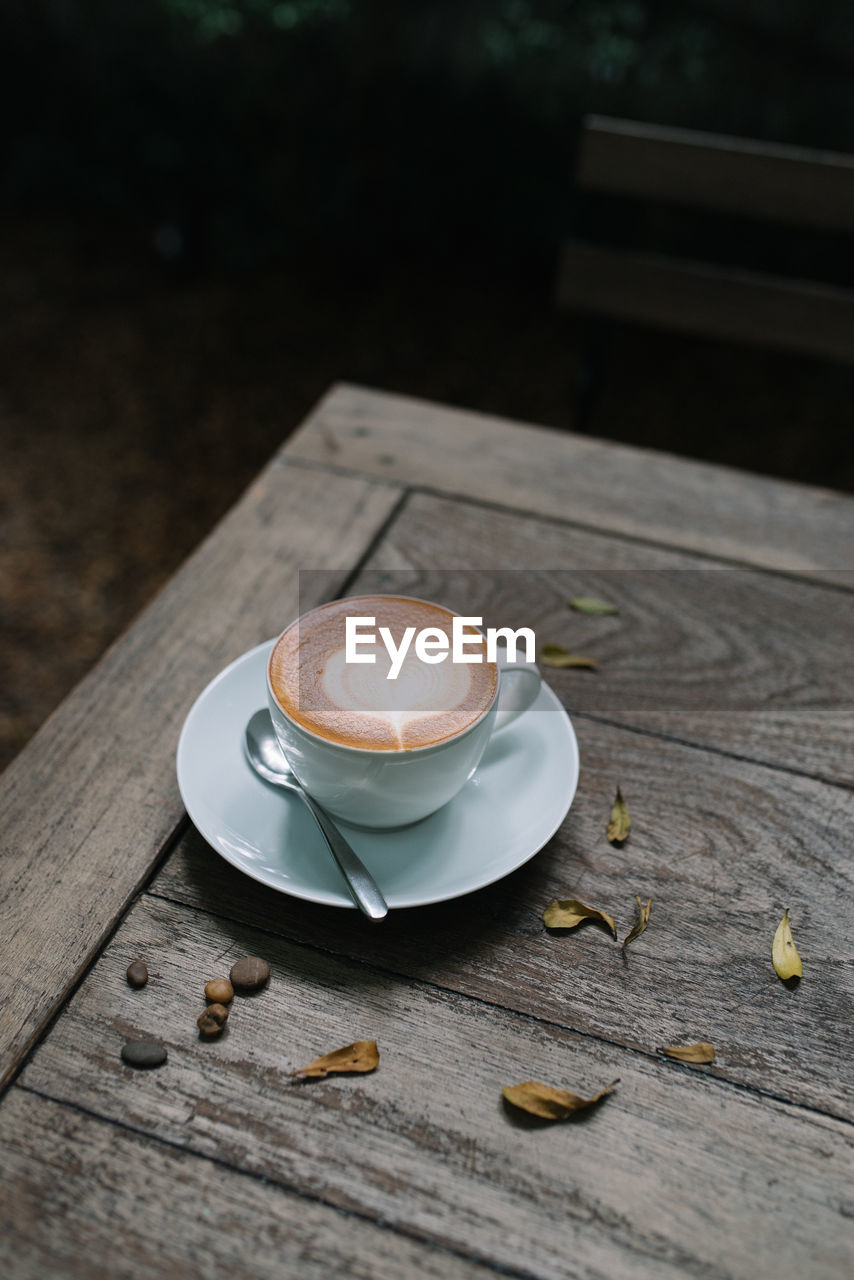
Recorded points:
721,846
716,302
675,1175
80,1197
613,488
712,171
753,663
88,804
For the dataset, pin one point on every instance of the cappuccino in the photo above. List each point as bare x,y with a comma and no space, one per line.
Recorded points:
356,704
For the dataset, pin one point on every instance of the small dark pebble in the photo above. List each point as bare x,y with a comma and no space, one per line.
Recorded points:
212,1020
249,974
143,1053
137,974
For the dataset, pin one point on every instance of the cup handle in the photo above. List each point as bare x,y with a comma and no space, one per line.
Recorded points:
520,685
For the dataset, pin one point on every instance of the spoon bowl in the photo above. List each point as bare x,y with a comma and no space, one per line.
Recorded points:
268,760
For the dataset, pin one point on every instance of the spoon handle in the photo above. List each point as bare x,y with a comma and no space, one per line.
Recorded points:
363,888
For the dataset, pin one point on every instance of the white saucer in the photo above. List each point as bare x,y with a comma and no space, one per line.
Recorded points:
504,814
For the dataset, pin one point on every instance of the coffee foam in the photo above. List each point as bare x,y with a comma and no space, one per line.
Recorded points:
355,703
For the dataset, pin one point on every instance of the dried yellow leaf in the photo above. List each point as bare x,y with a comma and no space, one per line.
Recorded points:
591,604
362,1055
550,1104
643,920
787,962
554,655
619,821
700,1052
568,913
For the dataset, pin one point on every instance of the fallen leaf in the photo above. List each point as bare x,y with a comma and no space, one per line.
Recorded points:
619,821
568,913
554,655
787,962
643,920
363,1055
550,1104
591,604
700,1052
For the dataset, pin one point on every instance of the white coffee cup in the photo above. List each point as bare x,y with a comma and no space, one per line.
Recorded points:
391,788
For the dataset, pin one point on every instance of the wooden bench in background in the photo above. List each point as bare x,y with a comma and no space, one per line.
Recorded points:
759,180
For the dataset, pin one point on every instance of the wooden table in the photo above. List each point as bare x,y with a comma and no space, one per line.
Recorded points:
722,705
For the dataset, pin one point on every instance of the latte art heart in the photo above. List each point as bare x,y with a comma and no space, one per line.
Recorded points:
419,691
356,704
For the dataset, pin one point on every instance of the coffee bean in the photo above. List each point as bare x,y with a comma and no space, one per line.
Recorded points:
220,991
143,1053
249,974
137,974
212,1021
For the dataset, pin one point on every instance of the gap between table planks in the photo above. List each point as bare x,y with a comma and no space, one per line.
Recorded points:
89,1205
639,493
676,1173
88,805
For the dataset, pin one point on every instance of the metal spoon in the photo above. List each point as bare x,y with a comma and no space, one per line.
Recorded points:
267,759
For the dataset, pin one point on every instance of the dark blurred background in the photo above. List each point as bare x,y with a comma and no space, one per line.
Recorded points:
212,209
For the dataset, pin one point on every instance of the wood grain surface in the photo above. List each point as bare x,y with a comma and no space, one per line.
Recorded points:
722,707
610,487
89,1200
721,846
87,806
754,663
652,1182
